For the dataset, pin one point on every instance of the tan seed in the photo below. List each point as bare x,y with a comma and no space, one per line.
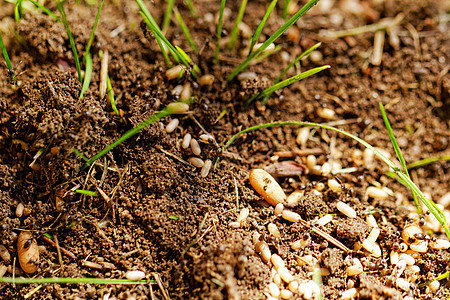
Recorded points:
174,72
3,270
368,245
302,137
135,275
263,249
409,233
285,275
291,216
402,284
28,252
419,246
243,215
346,209
293,286
19,209
326,169
186,93
278,209
326,113
415,269
173,124
267,187
195,147
301,243
186,141
316,56
206,167
4,253
357,157
206,79
376,250
177,90
376,193
286,294
440,244
246,76
277,279
277,261
371,221
373,235
407,258
394,257
354,270
324,220
273,229
349,294
311,161
197,162
334,185
295,197
434,285
177,107
274,290
234,225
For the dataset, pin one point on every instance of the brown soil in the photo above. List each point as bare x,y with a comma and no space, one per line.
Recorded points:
160,216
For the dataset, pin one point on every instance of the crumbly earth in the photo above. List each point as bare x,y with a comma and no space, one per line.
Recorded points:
155,213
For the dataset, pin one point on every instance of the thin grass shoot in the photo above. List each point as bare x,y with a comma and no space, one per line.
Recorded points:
63,280
167,15
94,28
427,161
185,29
79,154
235,30
219,31
191,8
273,37
87,74
46,10
437,213
11,72
60,6
87,193
284,83
260,27
112,100
295,61
397,151
18,10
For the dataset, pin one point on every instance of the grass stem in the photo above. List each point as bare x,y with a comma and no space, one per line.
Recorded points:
185,29
260,27
62,280
219,31
235,30
167,15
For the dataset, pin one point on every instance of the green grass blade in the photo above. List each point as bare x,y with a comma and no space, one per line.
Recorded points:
72,42
153,118
195,71
234,31
81,155
167,15
185,29
5,53
46,10
293,63
191,8
86,192
285,9
273,37
427,161
260,27
87,74
397,151
91,38
111,97
219,31
158,32
285,83
437,213
62,280
18,10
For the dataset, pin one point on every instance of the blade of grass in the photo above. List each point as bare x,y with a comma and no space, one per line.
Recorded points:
8,62
273,37
191,8
285,83
87,74
263,55
86,192
195,69
185,29
18,10
81,155
111,97
260,27
46,10
286,9
153,118
158,33
397,151
219,31
62,280
167,15
437,213
293,63
427,161
91,38
234,31
72,42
